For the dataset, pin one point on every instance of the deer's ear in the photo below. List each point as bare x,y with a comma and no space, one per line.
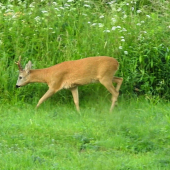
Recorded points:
28,67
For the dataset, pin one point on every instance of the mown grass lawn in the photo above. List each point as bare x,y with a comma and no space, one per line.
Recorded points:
135,136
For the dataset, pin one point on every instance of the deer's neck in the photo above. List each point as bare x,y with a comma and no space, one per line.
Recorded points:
39,76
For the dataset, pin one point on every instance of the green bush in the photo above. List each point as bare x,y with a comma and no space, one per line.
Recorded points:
48,32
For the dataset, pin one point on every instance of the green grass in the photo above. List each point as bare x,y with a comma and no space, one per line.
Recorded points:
135,136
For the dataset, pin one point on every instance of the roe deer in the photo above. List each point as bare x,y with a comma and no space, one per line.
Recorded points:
71,74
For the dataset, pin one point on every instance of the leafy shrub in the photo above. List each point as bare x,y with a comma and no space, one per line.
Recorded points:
49,32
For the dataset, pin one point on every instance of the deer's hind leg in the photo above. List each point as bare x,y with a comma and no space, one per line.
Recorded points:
75,95
119,82
107,82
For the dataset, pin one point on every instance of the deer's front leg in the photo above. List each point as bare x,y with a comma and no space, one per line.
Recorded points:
48,94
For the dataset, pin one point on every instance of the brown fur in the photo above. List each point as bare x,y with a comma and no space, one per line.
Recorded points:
71,74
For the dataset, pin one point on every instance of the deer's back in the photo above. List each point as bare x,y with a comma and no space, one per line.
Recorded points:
84,71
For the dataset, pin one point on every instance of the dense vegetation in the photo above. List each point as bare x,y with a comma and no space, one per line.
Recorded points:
49,32
136,135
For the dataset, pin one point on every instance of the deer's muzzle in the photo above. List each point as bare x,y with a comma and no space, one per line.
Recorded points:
17,86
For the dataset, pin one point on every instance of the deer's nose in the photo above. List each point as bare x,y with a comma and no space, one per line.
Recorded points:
17,86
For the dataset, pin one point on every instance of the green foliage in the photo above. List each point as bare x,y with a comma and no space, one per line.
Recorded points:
48,32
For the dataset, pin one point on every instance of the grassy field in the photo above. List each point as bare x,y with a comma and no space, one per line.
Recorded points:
135,136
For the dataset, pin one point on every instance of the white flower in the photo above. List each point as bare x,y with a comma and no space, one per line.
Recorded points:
122,37
119,9
127,3
148,16
113,20
110,2
126,52
2,7
118,26
102,16
139,11
138,24
114,28
87,5
70,0
124,29
142,22
106,31
44,11
67,5
125,16
120,47
9,10
94,24
32,5
132,8
37,18
123,40
89,22
169,26
10,6
101,25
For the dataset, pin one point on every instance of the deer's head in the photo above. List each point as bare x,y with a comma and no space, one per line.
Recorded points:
23,77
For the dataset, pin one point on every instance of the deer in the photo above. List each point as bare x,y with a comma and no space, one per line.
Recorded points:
71,74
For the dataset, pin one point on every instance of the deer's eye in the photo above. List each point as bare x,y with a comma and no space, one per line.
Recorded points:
20,77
